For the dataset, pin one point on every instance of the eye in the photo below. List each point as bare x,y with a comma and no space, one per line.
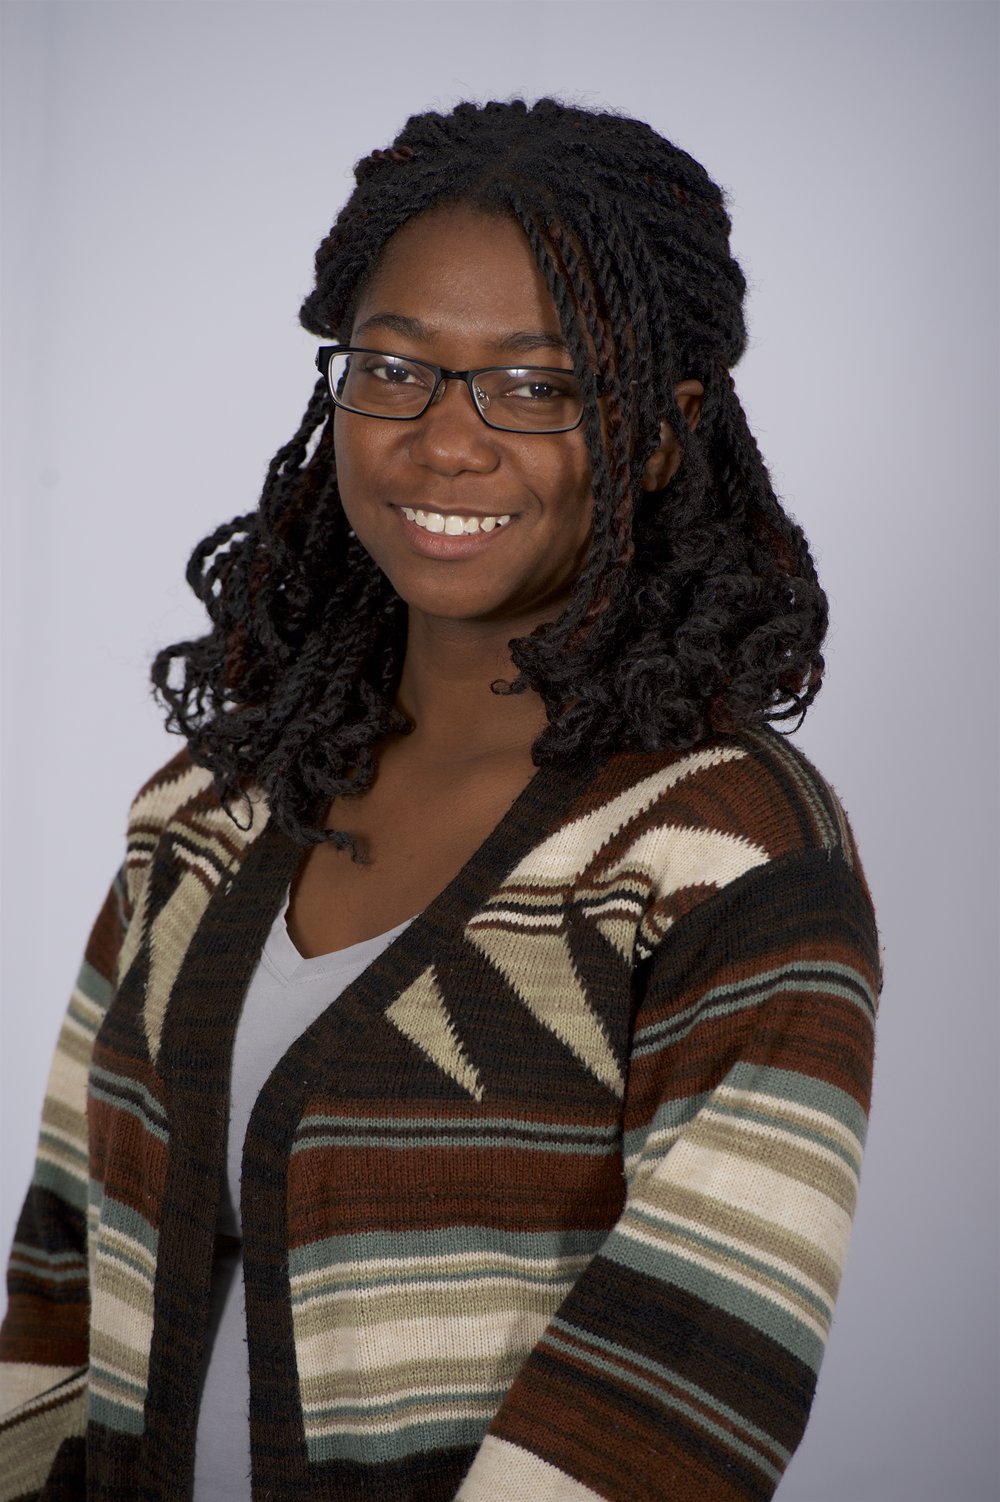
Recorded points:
536,390
392,372
539,386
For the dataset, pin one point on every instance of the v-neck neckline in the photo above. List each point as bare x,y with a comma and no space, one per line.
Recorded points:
224,950
539,805
289,964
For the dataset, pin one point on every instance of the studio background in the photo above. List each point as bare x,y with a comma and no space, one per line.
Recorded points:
167,171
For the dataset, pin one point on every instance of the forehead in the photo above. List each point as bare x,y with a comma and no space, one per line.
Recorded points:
461,272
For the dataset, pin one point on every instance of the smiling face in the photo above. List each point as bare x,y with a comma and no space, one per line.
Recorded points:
460,289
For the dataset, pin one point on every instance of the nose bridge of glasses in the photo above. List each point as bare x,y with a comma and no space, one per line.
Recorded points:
466,378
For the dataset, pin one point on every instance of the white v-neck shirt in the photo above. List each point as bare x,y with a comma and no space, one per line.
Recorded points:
285,996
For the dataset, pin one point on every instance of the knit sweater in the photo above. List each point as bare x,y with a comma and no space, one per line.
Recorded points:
550,1206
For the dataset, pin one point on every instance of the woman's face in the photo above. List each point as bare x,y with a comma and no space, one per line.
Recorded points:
461,289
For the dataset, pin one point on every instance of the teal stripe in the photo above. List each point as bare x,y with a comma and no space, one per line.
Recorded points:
128,1222
115,1416
671,1400
130,1109
415,1439
48,1274
802,1090
723,1000
59,1144
725,1110
111,1253
61,1182
373,1408
96,988
443,1144
449,1241
670,1117
665,1267
128,1087
746,1260
785,1086
565,1274
23,1249
455,1123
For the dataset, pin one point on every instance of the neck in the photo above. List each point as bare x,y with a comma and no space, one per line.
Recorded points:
445,690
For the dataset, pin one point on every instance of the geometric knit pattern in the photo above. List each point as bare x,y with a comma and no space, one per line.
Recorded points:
552,1203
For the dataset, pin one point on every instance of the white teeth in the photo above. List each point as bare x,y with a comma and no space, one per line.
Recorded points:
453,525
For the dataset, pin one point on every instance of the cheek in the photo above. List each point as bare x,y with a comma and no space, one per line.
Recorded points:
354,463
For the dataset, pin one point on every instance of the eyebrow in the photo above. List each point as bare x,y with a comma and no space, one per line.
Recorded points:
517,341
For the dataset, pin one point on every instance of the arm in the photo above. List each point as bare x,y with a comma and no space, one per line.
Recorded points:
43,1339
682,1365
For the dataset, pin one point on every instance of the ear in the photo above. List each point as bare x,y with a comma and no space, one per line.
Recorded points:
662,465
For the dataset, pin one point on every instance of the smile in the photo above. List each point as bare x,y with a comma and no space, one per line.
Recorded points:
453,525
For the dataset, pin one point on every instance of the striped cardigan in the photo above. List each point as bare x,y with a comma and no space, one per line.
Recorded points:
551,1205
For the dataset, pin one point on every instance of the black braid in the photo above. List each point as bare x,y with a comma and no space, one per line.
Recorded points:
697,610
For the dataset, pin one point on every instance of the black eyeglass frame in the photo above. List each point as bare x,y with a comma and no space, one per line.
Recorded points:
326,352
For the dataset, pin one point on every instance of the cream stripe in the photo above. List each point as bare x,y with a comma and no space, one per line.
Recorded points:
118,1327
553,922
448,1378
502,1470
165,798
414,1340
800,1162
787,1203
792,1112
22,1381
808,1264
563,855
427,1301
731,1266
678,858
776,1293
71,1162
202,863
31,1438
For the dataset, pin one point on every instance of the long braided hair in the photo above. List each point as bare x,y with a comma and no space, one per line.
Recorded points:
698,610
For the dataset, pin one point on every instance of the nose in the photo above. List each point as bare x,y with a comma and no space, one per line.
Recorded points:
451,437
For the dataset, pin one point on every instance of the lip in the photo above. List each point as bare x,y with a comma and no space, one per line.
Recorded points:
441,545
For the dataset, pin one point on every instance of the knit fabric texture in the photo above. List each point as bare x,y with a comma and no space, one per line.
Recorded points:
551,1205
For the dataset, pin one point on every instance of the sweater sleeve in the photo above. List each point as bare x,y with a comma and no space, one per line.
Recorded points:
682,1365
43,1338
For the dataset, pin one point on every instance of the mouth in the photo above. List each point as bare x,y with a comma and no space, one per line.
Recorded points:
447,535
453,523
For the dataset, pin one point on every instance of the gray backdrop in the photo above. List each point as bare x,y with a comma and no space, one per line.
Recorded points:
168,169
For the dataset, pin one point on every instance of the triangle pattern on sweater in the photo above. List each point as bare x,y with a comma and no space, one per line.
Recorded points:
539,967
421,1015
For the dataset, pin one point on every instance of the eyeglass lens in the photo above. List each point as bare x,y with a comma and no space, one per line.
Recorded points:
525,399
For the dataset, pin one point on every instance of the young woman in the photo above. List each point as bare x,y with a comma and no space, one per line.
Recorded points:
470,1065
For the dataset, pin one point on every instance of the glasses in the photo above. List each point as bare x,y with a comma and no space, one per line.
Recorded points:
515,399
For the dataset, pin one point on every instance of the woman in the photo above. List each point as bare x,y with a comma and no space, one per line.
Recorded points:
488,992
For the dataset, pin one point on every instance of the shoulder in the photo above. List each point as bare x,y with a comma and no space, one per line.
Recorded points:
755,788
178,807
663,833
